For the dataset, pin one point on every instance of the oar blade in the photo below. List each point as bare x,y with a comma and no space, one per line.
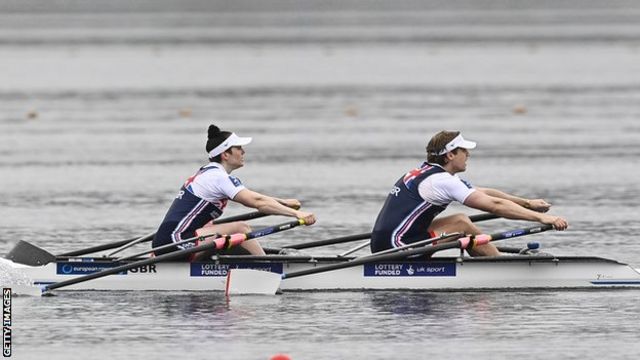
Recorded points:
252,282
28,254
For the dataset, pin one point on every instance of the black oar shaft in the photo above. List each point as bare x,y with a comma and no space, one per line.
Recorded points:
338,240
483,217
103,247
133,265
493,237
520,232
170,256
359,261
350,238
425,250
404,251
117,244
241,217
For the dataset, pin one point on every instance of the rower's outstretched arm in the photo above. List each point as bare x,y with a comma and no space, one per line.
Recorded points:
292,203
534,204
511,210
269,205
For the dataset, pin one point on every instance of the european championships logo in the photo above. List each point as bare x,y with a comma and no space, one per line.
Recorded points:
6,322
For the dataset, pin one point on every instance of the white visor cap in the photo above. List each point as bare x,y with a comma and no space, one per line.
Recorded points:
457,142
232,140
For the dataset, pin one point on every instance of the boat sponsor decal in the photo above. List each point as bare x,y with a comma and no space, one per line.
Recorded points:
410,269
84,268
208,269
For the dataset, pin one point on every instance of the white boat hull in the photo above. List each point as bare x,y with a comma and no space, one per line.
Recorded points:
506,272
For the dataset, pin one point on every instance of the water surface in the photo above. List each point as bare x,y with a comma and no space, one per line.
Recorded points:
104,114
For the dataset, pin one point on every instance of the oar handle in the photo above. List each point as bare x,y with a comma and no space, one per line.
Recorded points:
219,243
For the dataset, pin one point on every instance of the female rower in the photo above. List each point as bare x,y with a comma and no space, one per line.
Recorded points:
204,196
409,212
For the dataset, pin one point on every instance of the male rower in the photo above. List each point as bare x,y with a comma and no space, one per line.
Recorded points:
408,214
204,196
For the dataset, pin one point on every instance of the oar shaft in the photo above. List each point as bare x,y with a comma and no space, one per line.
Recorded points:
477,240
465,243
363,236
116,244
338,240
227,241
130,244
399,252
103,247
520,232
186,241
483,217
354,249
166,246
241,217
135,264
358,261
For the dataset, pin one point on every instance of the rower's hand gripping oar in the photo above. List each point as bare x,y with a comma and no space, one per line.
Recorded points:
249,281
219,243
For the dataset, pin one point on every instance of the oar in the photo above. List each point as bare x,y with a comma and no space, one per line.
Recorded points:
164,247
108,246
255,282
363,236
219,243
148,237
354,249
131,243
474,218
249,281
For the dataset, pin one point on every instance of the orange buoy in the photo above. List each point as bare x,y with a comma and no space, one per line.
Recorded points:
280,357
519,109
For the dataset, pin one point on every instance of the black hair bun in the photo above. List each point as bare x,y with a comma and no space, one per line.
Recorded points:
214,131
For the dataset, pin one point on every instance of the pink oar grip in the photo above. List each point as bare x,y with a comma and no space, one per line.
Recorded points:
236,239
477,240
482,239
229,240
464,242
220,242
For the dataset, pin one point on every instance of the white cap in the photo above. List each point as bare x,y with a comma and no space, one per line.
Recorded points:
232,140
457,142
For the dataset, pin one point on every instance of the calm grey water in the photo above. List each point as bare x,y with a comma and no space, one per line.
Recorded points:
104,114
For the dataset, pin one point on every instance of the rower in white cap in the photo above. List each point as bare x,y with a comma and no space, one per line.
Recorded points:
409,212
204,196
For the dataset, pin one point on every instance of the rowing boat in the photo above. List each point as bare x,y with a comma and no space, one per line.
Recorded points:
415,266
539,271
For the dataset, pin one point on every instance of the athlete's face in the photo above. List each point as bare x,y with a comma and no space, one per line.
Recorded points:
459,160
236,157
